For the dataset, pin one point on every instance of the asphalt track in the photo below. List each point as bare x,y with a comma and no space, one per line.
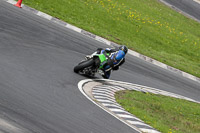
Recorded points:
38,88
188,6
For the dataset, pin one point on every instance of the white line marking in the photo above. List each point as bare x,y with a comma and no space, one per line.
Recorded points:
5,124
138,123
44,15
101,100
100,39
104,93
12,2
104,90
125,116
113,88
112,105
197,1
109,99
73,28
117,110
104,97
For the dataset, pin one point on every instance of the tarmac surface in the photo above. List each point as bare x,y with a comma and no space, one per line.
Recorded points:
38,88
188,6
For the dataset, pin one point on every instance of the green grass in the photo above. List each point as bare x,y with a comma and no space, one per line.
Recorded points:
146,26
168,115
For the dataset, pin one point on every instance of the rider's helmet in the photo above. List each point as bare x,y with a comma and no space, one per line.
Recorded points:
121,53
123,48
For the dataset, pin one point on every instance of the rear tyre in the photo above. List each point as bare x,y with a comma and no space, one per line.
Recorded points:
83,65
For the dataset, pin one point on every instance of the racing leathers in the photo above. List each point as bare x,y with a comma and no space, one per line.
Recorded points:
115,59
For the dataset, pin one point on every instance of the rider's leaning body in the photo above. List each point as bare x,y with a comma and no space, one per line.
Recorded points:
116,57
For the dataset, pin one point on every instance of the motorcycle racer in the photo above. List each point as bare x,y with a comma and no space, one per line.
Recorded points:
115,58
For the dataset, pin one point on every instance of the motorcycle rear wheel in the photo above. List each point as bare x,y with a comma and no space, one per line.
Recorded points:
83,65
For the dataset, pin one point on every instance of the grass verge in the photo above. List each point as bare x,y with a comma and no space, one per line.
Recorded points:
166,114
146,26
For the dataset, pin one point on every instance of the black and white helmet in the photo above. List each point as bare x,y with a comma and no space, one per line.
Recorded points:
123,48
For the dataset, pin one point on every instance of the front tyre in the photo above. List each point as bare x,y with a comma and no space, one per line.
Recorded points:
83,65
